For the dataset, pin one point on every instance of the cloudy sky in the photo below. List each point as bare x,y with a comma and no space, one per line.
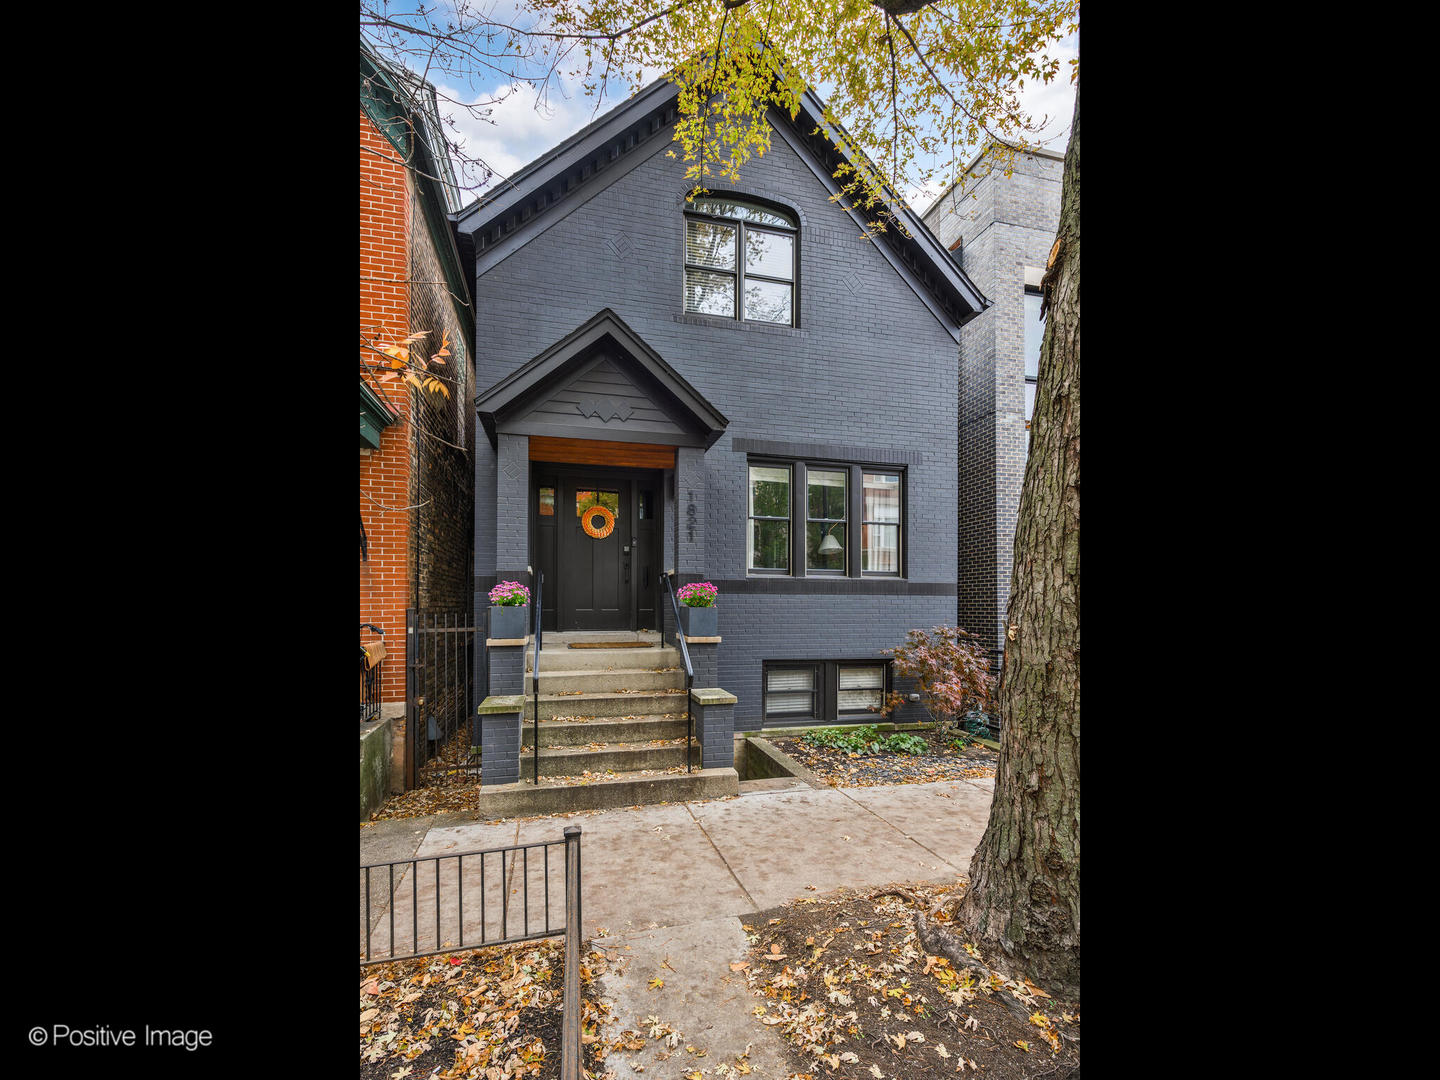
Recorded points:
522,128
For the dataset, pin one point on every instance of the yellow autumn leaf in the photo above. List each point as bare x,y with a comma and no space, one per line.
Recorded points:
656,983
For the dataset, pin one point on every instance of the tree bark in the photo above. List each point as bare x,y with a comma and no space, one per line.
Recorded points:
1024,893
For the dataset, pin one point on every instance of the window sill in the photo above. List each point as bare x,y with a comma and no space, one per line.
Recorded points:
740,324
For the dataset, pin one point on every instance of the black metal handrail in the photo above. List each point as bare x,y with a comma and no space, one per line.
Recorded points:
369,680
535,680
689,669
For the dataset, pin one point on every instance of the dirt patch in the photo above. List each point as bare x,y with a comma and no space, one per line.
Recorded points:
941,761
843,979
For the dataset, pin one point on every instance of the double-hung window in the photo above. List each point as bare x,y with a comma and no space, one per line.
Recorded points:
823,691
740,261
824,519
1034,335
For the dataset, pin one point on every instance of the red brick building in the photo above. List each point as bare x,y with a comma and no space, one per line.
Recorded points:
416,446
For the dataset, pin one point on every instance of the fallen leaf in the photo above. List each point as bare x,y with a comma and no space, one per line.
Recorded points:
740,965
656,983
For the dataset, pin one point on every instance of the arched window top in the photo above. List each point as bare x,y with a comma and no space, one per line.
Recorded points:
745,210
741,260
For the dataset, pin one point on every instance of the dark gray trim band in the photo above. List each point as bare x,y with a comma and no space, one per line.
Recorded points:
836,586
828,451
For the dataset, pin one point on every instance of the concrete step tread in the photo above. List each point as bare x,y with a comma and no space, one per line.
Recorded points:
568,794
605,673
608,747
611,695
638,718
596,779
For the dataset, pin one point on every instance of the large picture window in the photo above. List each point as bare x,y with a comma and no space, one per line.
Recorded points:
806,518
740,261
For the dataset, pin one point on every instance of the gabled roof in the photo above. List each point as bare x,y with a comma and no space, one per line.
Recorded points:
403,107
525,204
695,422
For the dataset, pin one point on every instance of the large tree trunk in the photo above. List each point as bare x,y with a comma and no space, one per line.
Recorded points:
1024,894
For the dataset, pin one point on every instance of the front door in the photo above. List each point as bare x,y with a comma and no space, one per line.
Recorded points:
595,557
597,544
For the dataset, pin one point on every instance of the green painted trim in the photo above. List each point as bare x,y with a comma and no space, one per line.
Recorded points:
375,415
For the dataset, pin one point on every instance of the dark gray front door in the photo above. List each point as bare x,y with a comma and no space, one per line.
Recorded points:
594,539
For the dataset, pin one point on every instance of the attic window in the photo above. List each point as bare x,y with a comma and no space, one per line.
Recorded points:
740,261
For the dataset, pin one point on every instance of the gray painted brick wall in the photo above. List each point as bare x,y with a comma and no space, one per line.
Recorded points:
715,732
507,669
1005,224
869,366
500,748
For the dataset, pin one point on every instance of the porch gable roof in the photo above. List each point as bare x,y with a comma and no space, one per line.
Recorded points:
687,418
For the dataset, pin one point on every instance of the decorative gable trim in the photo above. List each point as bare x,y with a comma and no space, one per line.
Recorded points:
598,155
555,394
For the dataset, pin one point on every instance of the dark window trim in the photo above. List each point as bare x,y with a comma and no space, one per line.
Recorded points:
1032,290
741,226
805,517
825,695
800,509
768,571
884,665
817,688
899,571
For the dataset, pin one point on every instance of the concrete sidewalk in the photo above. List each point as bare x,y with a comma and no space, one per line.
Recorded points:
666,888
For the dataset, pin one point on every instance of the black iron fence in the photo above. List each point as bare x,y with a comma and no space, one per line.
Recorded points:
371,659
445,903
442,737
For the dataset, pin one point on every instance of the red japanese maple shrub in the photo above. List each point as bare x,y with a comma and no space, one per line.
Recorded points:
951,670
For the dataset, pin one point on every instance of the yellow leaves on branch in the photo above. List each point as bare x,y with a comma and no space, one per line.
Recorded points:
401,364
910,95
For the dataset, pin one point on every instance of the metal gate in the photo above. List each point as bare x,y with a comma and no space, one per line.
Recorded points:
442,735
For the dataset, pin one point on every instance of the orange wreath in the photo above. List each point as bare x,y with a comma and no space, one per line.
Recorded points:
590,530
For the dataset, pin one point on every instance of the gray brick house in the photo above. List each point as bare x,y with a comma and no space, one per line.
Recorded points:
1000,232
743,390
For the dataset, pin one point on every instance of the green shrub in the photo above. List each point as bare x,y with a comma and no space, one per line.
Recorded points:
906,744
864,740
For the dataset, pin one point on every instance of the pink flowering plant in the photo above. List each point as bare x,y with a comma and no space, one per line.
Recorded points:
509,594
698,594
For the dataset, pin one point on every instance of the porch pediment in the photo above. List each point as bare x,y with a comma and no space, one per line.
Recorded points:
601,381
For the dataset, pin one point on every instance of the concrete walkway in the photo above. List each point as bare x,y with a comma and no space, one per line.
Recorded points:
666,888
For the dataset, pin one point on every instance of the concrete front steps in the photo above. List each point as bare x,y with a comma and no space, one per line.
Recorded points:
612,730
566,794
